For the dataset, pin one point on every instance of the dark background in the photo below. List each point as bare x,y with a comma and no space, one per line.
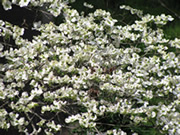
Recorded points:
24,17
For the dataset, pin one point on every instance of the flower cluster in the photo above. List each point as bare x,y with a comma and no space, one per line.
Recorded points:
53,6
109,78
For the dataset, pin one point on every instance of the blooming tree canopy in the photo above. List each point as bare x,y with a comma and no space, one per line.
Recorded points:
107,78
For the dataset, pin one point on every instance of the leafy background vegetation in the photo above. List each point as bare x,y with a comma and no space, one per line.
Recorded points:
154,7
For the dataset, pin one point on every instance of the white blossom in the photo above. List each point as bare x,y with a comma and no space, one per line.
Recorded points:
88,68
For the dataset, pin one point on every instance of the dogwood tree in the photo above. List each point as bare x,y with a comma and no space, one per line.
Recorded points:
87,71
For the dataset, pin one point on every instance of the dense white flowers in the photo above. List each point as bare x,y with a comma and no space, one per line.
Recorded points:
90,71
54,6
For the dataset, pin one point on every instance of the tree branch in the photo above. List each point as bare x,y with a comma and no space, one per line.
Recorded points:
163,5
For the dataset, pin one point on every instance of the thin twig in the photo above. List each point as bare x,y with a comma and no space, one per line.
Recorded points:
7,44
162,4
4,104
37,115
98,131
30,121
99,123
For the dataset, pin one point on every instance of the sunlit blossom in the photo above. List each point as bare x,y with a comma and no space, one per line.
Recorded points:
89,68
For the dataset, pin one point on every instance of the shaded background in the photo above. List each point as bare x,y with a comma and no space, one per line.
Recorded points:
155,7
24,17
